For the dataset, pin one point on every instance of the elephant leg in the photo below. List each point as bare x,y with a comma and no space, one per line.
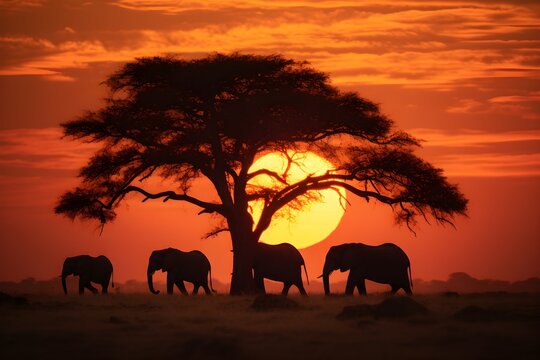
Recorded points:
105,286
170,283
89,286
259,283
180,285
286,287
300,287
206,289
81,286
407,288
196,288
349,288
361,285
395,288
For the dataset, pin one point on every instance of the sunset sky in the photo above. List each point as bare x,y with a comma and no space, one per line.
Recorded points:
464,76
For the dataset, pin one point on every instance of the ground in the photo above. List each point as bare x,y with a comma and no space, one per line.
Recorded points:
140,326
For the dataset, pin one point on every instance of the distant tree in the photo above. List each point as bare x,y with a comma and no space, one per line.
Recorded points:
213,117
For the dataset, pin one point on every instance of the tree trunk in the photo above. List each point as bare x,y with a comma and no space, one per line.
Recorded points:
244,247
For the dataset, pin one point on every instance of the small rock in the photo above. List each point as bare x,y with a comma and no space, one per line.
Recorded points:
210,347
364,323
451,294
15,300
356,311
116,320
399,307
273,302
474,313
394,307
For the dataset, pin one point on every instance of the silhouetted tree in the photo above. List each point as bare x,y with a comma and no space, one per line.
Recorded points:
212,117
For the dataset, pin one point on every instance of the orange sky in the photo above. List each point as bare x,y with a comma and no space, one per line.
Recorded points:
462,75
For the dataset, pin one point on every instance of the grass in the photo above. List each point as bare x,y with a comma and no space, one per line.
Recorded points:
140,326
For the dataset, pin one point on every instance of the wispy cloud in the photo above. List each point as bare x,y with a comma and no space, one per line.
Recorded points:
31,153
41,149
20,4
525,105
472,138
174,6
534,96
483,154
415,43
490,165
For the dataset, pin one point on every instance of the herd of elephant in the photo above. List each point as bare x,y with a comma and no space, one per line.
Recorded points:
386,264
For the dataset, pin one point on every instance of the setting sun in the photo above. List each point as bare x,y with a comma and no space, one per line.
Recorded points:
310,222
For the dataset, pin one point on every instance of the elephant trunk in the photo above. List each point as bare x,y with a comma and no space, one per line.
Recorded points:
326,278
66,270
64,283
151,282
326,284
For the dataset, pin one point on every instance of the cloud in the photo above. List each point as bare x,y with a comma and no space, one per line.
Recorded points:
534,96
13,5
41,149
472,138
69,30
524,105
422,44
490,165
175,6
483,154
36,156
26,41
36,165
467,106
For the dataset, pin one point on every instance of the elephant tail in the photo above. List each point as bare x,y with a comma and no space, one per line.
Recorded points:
410,276
210,280
112,279
305,270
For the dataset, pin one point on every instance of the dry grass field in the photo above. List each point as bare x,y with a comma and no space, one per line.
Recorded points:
139,326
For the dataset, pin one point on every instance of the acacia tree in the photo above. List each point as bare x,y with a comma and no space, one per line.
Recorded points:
212,117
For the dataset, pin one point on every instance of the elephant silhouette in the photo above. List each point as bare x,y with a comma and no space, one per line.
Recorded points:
180,266
283,263
89,269
385,264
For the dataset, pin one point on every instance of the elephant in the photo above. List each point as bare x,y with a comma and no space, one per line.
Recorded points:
282,262
88,269
385,264
192,266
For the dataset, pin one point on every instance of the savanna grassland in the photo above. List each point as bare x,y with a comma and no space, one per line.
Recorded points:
138,326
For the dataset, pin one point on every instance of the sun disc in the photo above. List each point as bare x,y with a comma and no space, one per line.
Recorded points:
305,224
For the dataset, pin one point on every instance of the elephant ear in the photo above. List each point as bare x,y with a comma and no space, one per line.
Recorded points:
169,261
74,266
348,260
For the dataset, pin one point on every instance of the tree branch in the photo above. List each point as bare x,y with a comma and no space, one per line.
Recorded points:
269,173
166,195
215,232
316,184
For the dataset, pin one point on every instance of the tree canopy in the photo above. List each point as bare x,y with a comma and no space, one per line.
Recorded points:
213,116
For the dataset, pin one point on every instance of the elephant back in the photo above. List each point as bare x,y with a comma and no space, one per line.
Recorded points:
101,268
199,258
395,252
189,266
283,252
